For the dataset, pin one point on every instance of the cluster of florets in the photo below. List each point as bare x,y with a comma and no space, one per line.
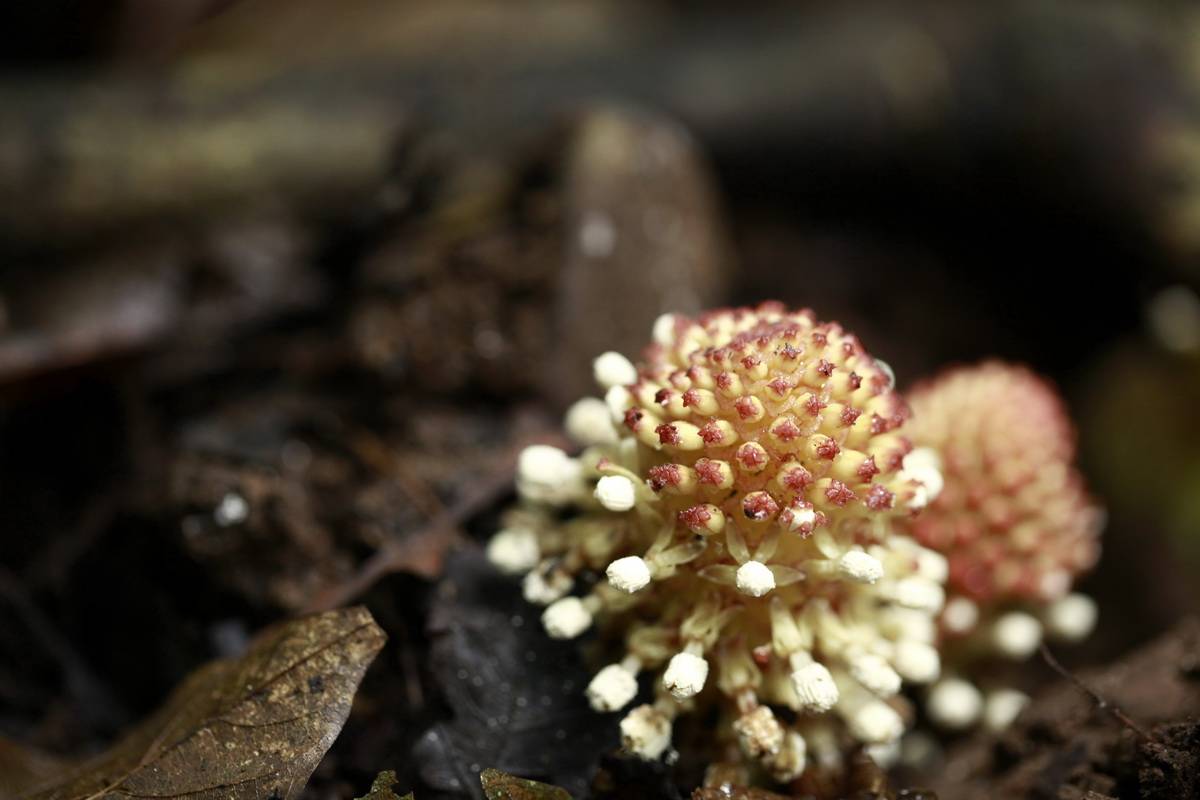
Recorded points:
742,493
1013,521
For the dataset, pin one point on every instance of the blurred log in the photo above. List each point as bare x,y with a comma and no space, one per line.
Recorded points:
1081,88
81,158
154,291
644,235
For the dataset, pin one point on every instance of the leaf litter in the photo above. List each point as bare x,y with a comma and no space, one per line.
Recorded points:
251,728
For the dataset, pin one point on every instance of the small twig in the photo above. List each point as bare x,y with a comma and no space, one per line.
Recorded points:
1100,702
420,552
52,565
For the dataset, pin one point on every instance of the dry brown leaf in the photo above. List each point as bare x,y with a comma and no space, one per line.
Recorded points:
22,767
499,785
252,728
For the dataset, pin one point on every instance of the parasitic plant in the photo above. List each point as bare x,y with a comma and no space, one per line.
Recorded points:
736,519
1013,521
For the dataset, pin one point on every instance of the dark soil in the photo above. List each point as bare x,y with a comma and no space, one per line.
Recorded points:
1142,741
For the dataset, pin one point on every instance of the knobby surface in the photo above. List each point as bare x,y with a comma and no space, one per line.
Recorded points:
254,727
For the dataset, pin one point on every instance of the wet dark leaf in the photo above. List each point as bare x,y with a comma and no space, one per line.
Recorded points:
623,777
499,785
381,788
251,728
517,695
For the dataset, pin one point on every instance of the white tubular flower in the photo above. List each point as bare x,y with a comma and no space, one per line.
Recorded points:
663,331
919,498
627,453
542,465
919,593
1002,707
616,492
931,479
1071,618
961,615
954,704
566,618
875,674
755,579
917,662
815,688
907,624
759,733
543,588
885,756
685,675
618,400
589,422
887,370
546,474
613,369
646,732
789,763
514,550
612,688
924,466
875,722
922,458
799,518
859,566
932,565
629,574
1016,635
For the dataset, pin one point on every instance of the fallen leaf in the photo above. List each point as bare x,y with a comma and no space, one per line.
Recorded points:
23,767
251,728
381,788
499,785
517,695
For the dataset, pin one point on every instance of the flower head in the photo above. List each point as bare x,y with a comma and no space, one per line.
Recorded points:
740,520
1012,520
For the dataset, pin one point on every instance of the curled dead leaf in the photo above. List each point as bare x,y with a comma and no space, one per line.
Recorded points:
251,728
381,788
499,785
